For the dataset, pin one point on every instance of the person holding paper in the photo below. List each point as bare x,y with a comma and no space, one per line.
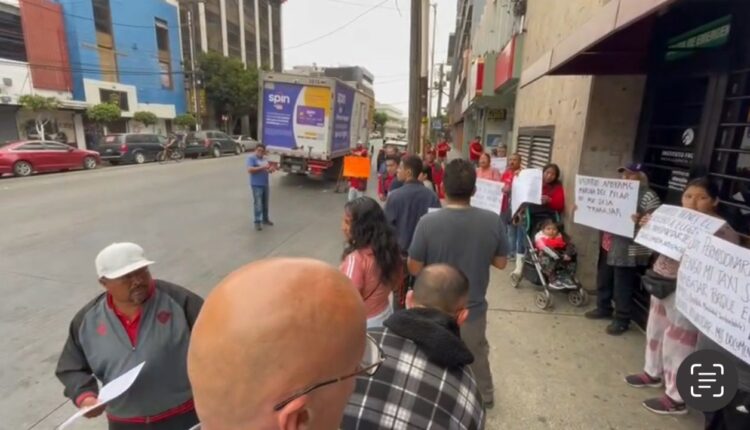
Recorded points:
357,186
471,240
670,337
259,169
516,234
620,260
137,319
278,346
486,171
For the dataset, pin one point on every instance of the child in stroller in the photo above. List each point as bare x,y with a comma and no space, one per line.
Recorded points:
551,261
557,255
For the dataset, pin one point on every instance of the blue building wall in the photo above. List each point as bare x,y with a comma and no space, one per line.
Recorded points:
134,32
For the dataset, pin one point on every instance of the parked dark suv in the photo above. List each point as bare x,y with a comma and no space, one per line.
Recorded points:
131,148
210,142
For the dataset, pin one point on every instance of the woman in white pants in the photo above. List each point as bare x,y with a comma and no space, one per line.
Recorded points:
670,337
372,258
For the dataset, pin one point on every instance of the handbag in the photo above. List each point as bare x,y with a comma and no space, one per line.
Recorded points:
657,285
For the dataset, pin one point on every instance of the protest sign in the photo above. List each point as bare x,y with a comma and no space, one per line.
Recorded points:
115,388
671,228
713,292
607,204
489,195
527,188
499,163
356,167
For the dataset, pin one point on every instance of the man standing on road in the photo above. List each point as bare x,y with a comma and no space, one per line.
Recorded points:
137,319
259,360
259,168
475,150
471,240
423,346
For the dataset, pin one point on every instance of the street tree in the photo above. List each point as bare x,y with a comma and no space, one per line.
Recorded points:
42,108
232,89
186,121
381,119
146,118
103,114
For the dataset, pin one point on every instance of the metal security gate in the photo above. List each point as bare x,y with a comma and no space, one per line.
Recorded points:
535,146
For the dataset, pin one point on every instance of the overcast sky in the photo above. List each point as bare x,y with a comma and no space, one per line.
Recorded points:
378,40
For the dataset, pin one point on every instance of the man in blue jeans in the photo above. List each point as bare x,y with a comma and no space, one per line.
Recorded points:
259,168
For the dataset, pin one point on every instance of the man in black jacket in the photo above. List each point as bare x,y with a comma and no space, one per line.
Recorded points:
137,319
425,381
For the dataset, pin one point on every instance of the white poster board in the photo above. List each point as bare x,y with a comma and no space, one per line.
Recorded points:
607,204
713,292
489,195
527,188
672,228
499,163
109,392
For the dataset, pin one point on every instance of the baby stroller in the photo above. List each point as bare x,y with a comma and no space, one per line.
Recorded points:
534,264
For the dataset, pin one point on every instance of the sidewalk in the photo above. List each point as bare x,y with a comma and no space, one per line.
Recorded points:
557,370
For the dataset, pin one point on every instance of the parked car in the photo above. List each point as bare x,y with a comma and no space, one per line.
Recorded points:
247,142
24,157
131,148
210,142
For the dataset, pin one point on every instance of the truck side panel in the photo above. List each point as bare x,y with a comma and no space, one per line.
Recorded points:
296,116
342,120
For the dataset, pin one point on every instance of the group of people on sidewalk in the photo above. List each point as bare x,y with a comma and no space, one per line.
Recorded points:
395,337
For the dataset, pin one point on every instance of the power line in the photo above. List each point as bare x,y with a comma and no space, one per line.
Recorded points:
351,3
87,18
336,30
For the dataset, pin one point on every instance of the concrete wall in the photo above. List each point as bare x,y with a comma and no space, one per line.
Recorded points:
595,118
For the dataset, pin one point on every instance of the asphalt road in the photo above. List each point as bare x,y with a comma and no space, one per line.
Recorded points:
192,218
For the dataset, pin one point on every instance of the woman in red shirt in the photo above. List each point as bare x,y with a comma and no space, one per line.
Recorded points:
372,258
553,194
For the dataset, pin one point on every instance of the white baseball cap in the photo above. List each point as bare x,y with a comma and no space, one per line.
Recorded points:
119,259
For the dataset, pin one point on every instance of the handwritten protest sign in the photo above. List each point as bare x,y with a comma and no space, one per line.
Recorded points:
607,204
671,228
109,392
527,188
499,163
713,292
489,195
356,167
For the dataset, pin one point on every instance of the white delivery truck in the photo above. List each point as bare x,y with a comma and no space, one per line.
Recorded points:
309,124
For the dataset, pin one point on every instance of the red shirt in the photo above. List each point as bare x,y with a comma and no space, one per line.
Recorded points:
442,149
384,183
437,180
556,196
131,325
359,183
507,180
475,150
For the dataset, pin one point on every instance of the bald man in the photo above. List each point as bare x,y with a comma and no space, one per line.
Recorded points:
426,382
278,345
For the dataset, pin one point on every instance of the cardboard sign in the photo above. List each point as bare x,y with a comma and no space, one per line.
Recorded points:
489,195
607,204
499,164
713,292
356,167
527,188
672,228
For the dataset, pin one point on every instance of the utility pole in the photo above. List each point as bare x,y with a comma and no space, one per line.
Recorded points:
431,78
424,87
440,92
193,73
415,46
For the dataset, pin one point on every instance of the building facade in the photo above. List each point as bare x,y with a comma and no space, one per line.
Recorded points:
130,56
484,58
34,61
663,82
395,128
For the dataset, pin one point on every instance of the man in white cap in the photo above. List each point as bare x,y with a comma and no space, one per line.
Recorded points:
137,319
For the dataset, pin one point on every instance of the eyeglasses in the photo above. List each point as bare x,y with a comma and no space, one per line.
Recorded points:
371,361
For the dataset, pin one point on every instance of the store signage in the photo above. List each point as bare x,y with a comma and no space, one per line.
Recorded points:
676,156
688,136
504,64
497,114
710,35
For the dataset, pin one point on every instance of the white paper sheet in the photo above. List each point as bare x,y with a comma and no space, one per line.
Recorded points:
489,195
672,228
499,163
607,204
109,392
527,188
713,292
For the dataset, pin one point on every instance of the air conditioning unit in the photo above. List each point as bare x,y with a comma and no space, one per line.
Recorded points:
8,82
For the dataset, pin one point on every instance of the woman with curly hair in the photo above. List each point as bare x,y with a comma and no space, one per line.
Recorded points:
372,258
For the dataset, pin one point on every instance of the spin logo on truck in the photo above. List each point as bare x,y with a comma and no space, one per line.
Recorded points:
279,100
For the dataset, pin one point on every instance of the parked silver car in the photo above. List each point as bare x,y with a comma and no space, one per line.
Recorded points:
247,142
